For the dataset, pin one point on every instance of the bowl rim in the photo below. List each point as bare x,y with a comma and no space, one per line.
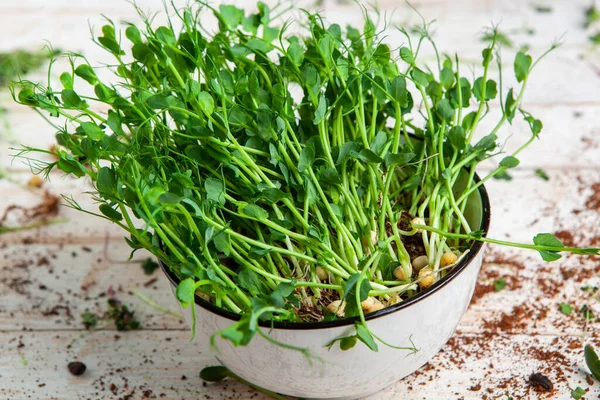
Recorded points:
422,295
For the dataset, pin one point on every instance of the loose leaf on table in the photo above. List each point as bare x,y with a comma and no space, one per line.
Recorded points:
215,374
592,361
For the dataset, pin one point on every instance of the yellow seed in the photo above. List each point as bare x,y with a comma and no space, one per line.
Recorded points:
399,273
322,274
418,221
203,296
420,262
336,307
35,182
448,258
374,238
367,303
426,278
376,307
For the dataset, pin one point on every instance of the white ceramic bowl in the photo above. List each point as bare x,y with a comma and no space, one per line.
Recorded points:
429,318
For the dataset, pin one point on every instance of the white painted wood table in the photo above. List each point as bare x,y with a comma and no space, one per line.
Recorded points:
52,275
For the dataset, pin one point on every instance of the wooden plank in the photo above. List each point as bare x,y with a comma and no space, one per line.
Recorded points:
48,287
152,363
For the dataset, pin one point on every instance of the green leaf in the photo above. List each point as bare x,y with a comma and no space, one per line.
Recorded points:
382,54
249,280
257,253
108,40
273,195
67,164
330,176
365,336
215,374
499,284
254,211
296,53
368,156
503,176
170,198
510,106
445,110
486,143
320,111
491,90
398,159
110,212
165,36
566,308
326,47
346,151
549,256
105,181
379,142
522,66
231,16
352,306
399,92
407,56
215,191
258,45
27,97
185,292
509,162
465,94
419,77
457,137
487,56
71,99
578,393
149,266
133,34
284,291
92,130
207,103
592,361
86,72
89,320
307,156
348,342
446,78
547,239
222,243
542,174
67,80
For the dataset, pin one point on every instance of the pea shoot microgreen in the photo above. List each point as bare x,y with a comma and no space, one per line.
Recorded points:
273,205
